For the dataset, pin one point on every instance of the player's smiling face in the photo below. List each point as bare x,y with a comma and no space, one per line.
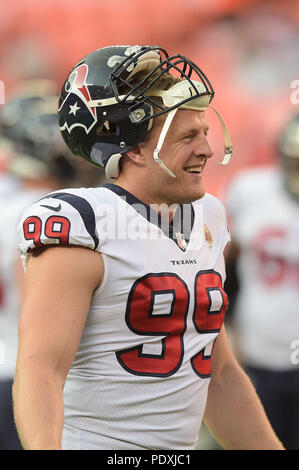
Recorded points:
185,152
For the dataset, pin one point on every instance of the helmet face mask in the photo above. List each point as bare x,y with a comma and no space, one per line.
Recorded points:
110,98
291,176
288,147
176,65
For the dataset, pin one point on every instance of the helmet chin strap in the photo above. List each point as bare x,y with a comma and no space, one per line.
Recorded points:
162,136
176,94
228,149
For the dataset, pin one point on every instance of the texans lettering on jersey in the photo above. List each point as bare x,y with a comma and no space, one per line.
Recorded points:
140,376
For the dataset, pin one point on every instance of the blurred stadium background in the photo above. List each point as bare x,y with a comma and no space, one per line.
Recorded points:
247,48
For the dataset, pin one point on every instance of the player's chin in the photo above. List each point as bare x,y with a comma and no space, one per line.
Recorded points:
195,189
192,193
197,195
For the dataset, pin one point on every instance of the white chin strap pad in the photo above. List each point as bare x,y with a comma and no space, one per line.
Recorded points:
112,167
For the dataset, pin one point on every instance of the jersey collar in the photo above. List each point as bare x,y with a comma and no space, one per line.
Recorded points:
179,229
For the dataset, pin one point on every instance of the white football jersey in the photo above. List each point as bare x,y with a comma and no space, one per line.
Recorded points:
140,377
265,223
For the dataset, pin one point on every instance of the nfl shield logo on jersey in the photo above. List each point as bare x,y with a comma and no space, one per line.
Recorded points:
181,240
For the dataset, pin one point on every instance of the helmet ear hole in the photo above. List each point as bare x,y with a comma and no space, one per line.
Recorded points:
106,128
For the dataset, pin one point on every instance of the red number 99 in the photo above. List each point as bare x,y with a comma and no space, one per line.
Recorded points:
57,227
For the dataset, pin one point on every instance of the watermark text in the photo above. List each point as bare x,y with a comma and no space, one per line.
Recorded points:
295,354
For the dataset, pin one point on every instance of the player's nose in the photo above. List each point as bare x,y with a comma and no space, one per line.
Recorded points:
203,148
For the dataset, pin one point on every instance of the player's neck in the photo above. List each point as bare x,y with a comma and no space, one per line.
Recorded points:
165,210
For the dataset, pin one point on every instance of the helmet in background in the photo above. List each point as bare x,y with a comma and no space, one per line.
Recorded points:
288,147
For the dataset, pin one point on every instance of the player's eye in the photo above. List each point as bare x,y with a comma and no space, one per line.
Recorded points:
188,136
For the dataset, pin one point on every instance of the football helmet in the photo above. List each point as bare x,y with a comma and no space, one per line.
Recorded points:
39,148
288,147
109,100
14,111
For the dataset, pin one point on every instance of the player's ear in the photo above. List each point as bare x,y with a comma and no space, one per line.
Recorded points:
136,154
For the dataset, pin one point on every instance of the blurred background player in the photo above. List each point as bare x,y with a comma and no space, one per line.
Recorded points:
38,162
12,114
263,206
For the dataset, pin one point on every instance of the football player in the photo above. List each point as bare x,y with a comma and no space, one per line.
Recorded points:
40,162
121,337
263,206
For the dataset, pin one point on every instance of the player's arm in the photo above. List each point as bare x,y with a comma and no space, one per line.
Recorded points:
234,413
58,288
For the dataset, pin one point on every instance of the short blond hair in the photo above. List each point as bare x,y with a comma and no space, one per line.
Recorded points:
164,82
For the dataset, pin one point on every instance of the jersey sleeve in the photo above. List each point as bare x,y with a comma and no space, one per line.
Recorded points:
61,218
